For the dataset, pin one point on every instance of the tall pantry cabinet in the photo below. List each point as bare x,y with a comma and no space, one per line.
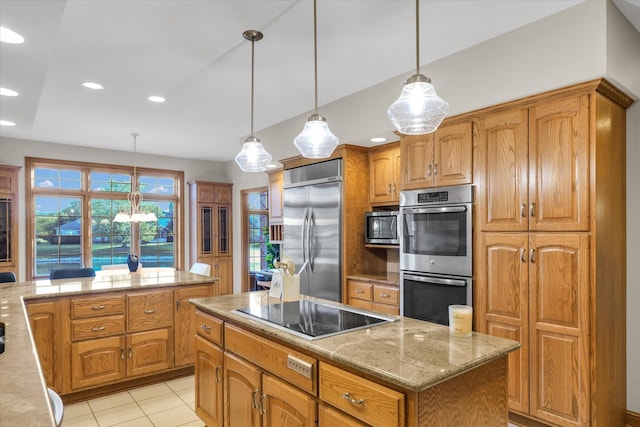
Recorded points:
550,257
210,230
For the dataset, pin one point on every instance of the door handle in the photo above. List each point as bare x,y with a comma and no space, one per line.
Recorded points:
218,379
121,353
429,170
523,258
311,238
435,169
532,255
522,212
130,353
532,209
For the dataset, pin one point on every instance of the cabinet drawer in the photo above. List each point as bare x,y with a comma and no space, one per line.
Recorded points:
386,294
97,306
330,417
359,290
370,402
149,310
94,327
209,327
361,303
272,357
392,309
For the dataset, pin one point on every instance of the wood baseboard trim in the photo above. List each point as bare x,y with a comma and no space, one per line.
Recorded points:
633,419
524,421
125,385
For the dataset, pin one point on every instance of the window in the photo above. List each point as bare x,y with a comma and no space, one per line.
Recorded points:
73,205
258,230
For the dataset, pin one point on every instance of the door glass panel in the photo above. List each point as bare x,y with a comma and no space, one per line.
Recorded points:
223,230
5,230
206,229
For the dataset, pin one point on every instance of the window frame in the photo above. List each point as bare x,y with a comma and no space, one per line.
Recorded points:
245,285
86,195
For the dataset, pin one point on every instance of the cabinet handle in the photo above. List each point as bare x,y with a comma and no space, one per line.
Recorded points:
523,258
358,291
389,188
532,255
98,307
429,170
218,379
99,328
385,295
121,353
254,399
532,209
177,305
149,311
205,328
262,406
358,402
522,208
435,169
394,187
130,353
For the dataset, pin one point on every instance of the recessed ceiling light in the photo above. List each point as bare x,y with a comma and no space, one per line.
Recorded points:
378,139
8,92
10,36
6,123
92,85
154,98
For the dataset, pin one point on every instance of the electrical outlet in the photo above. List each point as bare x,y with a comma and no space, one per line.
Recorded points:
300,366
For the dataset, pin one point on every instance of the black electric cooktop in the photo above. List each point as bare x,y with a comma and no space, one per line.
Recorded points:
311,320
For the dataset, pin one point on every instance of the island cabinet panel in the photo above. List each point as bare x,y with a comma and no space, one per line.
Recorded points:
209,382
366,400
242,392
97,362
209,327
149,310
97,327
149,351
329,417
285,405
43,324
184,345
101,305
437,159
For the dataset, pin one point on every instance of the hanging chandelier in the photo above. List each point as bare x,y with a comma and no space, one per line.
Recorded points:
419,109
253,157
135,198
316,140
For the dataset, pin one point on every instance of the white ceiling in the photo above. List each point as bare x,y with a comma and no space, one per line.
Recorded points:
192,52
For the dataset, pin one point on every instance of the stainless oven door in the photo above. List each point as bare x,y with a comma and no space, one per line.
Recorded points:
428,297
436,239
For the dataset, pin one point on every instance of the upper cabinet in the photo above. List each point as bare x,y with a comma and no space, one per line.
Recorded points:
533,167
384,167
9,218
437,159
276,205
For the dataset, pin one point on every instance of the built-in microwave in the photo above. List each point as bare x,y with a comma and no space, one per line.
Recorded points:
381,228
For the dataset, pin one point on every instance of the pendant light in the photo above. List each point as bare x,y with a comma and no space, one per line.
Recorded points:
316,140
418,110
252,157
135,214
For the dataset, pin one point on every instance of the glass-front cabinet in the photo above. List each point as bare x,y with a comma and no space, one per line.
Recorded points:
9,218
210,229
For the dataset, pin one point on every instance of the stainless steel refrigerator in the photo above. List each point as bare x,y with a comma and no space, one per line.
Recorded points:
313,226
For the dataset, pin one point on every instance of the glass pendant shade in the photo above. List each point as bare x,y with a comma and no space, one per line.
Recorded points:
253,157
316,140
419,109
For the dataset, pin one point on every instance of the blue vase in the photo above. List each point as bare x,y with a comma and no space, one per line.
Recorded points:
132,262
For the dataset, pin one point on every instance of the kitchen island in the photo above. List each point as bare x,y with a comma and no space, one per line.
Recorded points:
23,396
403,373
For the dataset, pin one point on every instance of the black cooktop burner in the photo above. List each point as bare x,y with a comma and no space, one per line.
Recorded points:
311,319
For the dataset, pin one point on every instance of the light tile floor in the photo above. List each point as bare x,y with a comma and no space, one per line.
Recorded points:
167,404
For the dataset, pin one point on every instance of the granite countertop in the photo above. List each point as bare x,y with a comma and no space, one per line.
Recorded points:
408,353
388,278
23,393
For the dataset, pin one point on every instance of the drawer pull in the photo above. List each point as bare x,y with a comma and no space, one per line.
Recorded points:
254,399
98,328
205,328
149,311
358,402
385,295
359,291
98,307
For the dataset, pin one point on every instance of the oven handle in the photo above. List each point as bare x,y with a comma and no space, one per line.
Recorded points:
435,210
437,280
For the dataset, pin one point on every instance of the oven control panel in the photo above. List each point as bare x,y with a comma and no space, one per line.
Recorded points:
433,197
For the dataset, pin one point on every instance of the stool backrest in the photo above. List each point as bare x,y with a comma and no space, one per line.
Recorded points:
201,268
70,273
7,276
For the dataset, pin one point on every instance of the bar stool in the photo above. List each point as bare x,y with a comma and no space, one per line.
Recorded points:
56,405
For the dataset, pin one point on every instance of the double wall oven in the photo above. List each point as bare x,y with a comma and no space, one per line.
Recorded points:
435,251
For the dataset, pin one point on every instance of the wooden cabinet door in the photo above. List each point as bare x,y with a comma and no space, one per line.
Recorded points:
559,328
223,194
285,405
223,269
242,393
502,171
384,170
416,164
184,322
452,154
209,382
330,417
276,199
150,351
42,320
559,165
502,290
97,362
222,232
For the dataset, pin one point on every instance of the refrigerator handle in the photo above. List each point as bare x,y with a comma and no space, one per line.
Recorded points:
303,235
311,227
